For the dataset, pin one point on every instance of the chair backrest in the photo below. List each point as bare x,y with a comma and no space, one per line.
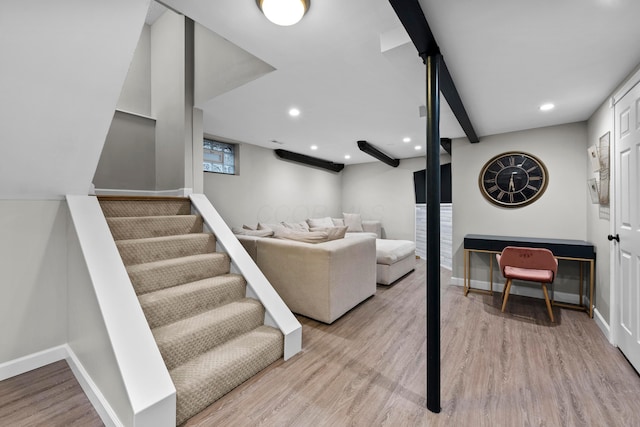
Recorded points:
521,257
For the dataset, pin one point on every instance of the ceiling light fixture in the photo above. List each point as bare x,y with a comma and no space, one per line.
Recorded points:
284,12
294,112
314,147
418,147
547,107
346,156
406,139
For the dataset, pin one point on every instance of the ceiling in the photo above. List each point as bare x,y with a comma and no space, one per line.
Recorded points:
351,70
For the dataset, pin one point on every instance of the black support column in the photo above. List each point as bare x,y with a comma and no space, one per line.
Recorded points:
433,231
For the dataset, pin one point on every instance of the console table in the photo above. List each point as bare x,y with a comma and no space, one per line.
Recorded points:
572,250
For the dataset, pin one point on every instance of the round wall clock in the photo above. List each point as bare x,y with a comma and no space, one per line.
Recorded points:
513,179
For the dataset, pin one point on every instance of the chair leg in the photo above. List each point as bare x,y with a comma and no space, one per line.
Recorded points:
507,288
546,299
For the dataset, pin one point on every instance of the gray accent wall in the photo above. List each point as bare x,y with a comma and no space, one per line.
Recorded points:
381,192
558,213
128,157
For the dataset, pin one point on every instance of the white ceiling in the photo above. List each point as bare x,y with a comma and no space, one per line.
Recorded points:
506,57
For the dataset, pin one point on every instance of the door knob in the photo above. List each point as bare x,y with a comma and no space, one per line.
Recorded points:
616,237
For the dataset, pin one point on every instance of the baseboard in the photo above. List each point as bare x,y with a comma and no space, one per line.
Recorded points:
63,352
32,361
97,399
180,192
525,291
603,325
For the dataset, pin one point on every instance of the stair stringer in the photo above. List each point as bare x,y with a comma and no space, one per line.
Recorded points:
108,331
277,314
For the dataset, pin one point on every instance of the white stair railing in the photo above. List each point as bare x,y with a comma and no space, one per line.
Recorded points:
277,313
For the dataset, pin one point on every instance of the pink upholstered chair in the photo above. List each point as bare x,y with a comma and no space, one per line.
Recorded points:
530,264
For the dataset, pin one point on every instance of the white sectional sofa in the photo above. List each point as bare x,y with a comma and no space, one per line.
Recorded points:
318,280
324,267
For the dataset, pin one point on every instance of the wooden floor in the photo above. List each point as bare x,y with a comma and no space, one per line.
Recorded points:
48,396
368,369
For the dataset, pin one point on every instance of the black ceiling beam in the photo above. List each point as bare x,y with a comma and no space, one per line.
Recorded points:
374,152
412,17
308,160
445,143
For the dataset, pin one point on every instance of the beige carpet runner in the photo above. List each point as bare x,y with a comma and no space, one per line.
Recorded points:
210,336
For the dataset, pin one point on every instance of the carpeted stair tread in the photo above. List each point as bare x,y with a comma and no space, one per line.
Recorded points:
124,228
172,304
114,207
188,338
150,249
152,276
208,377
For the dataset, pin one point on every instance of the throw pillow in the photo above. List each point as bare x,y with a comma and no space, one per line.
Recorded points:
336,233
353,221
302,236
338,222
333,233
298,226
320,222
255,233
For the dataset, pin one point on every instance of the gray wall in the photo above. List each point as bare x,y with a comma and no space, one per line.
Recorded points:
559,213
378,191
128,156
271,190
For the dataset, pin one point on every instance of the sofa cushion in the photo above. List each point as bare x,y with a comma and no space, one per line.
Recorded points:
298,226
332,232
256,233
391,251
353,221
302,236
338,222
320,222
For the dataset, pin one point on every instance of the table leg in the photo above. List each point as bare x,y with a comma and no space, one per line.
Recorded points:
592,266
467,279
491,273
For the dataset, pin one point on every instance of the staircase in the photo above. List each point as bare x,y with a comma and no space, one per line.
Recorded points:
211,337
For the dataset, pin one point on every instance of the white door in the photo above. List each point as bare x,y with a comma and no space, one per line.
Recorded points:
627,217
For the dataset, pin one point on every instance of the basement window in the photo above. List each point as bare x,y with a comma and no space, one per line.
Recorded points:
219,157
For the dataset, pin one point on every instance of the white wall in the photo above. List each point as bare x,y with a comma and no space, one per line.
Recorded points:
63,65
558,213
135,96
378,191
600,123
272,190
168,99
33,277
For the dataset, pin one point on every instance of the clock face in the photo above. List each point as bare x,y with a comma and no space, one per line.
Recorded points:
513,179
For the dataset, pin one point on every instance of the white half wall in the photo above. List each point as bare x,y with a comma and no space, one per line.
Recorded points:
64,64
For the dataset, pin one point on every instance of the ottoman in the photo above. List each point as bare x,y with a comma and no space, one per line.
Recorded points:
394,259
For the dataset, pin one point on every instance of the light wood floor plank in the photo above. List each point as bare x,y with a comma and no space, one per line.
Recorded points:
368,369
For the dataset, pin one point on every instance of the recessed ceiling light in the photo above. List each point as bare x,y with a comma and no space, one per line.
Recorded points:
547,107
418,147
346,156
314,147
406,139
294,112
